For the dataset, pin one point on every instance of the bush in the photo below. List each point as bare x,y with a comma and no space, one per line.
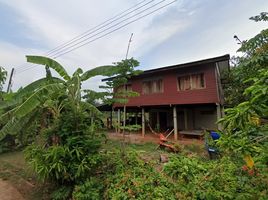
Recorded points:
69,154
132,178
220,179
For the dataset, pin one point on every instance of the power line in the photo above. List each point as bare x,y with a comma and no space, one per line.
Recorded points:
102,25
120,27
60,52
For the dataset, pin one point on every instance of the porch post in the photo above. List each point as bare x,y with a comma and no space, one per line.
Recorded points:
219,115
118,120
175,123
124,118
143,122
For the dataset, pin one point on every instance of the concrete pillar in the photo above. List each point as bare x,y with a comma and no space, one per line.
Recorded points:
118,120
175,123
136,118
143,121
219,115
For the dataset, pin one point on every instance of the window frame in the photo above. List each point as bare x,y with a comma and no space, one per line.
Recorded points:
150,82
191,83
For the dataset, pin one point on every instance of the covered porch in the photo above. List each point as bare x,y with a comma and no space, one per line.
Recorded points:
179,120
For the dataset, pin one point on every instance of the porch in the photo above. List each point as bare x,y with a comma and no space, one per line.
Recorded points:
179,120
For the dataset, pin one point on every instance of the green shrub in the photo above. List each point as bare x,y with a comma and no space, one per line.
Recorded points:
91,189
220,179
132,178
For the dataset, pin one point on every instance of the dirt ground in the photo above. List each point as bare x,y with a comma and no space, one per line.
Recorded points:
137,138
8,192
17,184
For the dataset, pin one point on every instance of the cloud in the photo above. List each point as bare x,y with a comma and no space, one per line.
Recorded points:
51,26
183,32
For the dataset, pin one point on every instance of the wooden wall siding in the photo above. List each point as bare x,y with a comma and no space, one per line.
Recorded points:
171,95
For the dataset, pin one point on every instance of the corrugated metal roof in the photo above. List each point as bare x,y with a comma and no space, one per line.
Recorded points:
183,65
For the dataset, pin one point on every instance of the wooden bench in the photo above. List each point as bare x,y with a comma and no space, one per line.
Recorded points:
199,134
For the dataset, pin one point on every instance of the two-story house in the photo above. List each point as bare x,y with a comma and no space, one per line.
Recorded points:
184,97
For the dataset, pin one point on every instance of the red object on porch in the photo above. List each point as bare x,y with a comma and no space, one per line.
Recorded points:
162,138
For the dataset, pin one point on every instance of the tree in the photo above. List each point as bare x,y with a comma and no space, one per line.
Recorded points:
245,125
254,58
3,76
48,95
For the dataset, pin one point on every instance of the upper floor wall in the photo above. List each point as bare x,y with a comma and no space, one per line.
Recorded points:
197,82
192,85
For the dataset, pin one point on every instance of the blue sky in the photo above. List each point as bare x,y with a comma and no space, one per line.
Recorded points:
183,32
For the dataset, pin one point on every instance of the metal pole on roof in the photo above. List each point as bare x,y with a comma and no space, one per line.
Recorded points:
130,40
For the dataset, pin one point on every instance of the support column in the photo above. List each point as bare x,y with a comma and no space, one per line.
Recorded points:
143,122
124,118
175,123
118,120
219,115
136,118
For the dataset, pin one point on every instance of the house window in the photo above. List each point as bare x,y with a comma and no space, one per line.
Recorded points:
124,88
152,86
191,82
128,87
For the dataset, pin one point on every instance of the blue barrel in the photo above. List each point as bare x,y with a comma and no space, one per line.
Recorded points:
215,135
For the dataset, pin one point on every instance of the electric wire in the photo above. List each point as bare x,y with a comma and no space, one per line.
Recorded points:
120,27
101,25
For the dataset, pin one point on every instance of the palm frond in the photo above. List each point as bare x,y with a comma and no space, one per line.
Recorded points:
35,99
15,125
50,63
26,91
87,106
107,70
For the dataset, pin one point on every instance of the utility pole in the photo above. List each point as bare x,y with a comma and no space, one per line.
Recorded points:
10,80
124,116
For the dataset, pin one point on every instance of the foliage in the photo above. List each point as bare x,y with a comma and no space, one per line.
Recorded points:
48,96
220,179
131,128
255,58
132,178
89,190
69,152
245,125
3,76
115,88
62,193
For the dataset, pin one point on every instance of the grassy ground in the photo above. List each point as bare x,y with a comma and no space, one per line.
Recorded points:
14,169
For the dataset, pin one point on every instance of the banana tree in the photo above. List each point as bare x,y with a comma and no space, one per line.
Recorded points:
50,94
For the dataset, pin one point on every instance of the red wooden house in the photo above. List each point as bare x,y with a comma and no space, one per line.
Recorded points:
185,97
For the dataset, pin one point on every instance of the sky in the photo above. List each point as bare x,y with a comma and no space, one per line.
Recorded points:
184,31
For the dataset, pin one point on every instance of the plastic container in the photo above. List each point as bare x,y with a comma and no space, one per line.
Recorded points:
215,135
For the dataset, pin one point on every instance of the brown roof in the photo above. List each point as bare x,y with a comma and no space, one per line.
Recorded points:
225,57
